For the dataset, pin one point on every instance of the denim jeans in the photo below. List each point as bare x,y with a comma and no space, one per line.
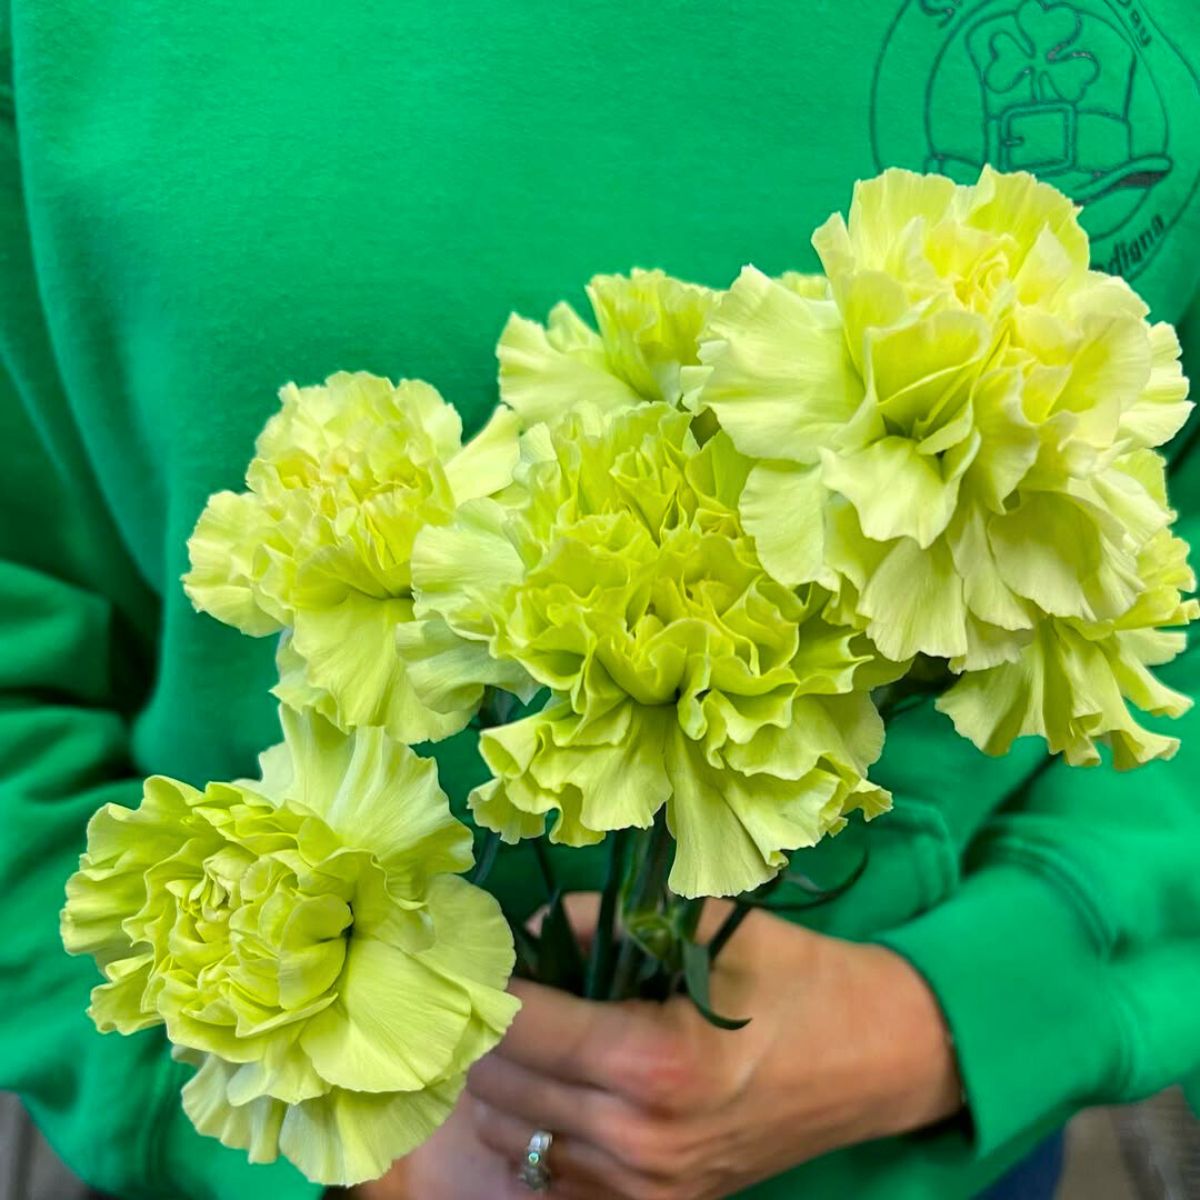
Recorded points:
1034,1178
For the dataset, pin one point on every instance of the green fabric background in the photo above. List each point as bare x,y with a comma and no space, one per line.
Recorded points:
199,202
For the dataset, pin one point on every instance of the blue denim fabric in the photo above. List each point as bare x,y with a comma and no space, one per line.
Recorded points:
1035,1178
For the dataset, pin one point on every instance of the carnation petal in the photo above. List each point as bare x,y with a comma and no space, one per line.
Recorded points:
450,673
1068,689
485,464
880,211
595,787
715,855
459,568
846,731
351,652
281,1074
347,1137
781,380
1110,368
230,534
732,831
987,595
1052,550
540,380
1008,440
494,810
782,508
358,1043
650,324
376,793
1018,206
478,957
915,603
922,370
622,784
253,1127
1163,408
897,490
120,1004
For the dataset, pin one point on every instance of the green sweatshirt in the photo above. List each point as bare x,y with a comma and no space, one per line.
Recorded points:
202,201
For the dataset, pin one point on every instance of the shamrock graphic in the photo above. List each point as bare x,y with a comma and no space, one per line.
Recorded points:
1041,51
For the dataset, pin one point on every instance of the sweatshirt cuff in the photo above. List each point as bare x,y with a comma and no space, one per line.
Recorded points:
1025,992
201,1168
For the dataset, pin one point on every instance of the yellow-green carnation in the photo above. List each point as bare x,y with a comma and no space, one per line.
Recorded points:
1071,682
618,576
306,943
649,325
967,411
318,547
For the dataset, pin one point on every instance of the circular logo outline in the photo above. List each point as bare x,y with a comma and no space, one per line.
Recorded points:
1035,62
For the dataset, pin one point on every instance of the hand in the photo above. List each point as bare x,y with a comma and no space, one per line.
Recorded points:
650,1102
453,1165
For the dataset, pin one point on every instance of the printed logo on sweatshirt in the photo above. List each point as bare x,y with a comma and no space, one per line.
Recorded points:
1093,96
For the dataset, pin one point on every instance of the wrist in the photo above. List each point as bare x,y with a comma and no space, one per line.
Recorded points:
912,1060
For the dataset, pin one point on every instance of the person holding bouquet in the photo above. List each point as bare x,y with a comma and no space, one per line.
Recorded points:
200,204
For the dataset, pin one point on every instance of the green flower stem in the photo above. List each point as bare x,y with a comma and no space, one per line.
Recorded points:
742,907
600,964
486,860
729,927
689,921
647,895
545,866
758,899
629,966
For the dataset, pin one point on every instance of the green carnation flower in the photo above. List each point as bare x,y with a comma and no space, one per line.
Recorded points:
1097,666
318,547
961,410
617,574
649,323
306,944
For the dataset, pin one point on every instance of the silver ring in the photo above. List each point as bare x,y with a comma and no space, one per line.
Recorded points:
534,1172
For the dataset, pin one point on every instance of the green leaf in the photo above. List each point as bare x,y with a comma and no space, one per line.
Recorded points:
820,895
696,969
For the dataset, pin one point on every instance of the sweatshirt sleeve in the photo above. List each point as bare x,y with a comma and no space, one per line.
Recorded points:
77,631
1068,960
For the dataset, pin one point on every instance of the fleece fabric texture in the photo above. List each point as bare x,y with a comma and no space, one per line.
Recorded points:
200,202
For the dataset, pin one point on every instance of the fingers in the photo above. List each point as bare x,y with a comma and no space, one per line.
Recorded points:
560,1035
541,1101
652,1055
574,1165
609,1137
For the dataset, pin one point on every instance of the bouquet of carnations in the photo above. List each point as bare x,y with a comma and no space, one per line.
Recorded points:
677,582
